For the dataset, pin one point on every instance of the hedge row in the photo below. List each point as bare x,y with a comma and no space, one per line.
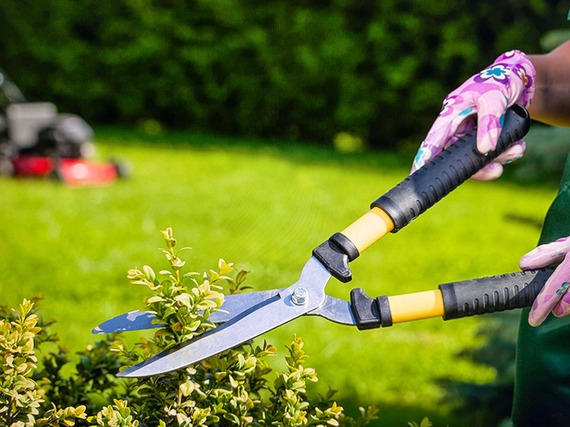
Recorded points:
277,68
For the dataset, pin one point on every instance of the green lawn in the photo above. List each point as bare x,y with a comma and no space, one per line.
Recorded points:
265,208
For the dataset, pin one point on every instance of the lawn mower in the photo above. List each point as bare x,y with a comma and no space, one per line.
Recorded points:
39,142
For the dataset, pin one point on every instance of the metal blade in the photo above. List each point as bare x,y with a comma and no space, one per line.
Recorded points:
333,309
336,310
305,295
138,320
131,321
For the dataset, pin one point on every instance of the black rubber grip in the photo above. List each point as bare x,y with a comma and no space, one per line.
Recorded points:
491,294
445,172
369,312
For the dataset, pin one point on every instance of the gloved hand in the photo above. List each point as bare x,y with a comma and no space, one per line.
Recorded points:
553,296
483,100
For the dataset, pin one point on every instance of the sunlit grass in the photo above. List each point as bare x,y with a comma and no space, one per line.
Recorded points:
265,208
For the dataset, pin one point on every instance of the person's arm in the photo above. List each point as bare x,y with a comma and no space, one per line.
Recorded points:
551,102
551,105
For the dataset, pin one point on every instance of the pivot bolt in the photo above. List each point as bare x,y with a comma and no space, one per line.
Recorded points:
299,296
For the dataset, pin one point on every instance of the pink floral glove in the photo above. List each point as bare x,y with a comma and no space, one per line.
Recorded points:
483,100
553,296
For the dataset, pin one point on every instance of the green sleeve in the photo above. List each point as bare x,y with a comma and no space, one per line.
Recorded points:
542,383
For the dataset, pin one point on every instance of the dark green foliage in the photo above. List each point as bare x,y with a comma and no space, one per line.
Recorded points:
294,69
489,404
545,156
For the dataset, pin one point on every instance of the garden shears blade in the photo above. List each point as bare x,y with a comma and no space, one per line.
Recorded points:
389,213
307,294
333,309
140,320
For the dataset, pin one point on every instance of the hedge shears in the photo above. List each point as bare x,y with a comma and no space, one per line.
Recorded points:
246,316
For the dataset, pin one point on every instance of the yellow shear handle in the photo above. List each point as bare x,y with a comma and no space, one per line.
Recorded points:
369,228
437,178
366,231
416,306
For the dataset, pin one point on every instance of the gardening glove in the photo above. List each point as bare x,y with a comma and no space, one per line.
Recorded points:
553,297
483,100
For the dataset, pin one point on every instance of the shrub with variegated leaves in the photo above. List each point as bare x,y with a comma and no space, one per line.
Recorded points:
235,388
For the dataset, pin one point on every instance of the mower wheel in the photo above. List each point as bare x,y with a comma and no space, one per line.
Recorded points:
56,175
6,167
123,169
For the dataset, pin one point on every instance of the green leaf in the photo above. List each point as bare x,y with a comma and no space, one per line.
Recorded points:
185,299
149,273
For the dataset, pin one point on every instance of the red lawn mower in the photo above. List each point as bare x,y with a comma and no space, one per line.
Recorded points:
37,141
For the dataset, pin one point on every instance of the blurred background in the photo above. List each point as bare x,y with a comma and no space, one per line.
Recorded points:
258,129
285,69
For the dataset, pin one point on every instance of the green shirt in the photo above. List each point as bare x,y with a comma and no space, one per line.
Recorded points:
542,383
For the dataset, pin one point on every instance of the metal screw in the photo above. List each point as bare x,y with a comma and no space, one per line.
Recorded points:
299,296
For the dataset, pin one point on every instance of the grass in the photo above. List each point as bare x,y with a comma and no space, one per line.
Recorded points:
265,208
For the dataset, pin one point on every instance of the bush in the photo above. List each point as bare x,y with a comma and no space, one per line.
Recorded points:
545,156
294,69
489,404
237,387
